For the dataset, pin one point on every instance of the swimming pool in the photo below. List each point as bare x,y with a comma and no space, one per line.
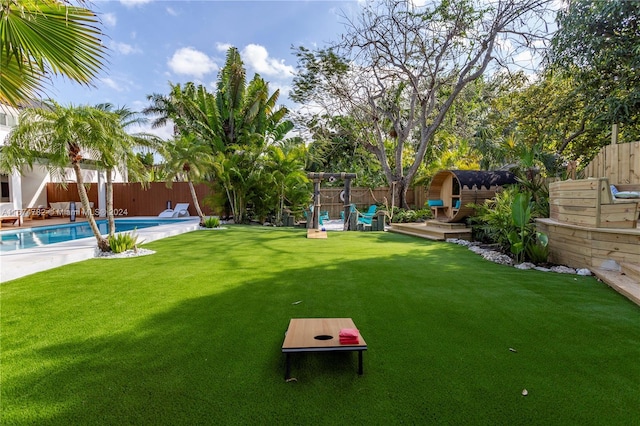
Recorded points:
45,235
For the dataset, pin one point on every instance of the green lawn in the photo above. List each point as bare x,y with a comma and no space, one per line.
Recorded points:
192,335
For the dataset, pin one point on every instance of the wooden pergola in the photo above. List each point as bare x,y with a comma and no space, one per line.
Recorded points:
317,179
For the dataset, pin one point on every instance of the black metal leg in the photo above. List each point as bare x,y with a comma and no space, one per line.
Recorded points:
287,366
360,362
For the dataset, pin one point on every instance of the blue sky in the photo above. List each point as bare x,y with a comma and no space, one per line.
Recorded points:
153,42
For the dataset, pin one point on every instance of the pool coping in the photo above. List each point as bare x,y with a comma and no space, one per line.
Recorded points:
20,263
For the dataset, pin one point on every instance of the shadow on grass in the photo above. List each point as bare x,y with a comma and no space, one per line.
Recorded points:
438,320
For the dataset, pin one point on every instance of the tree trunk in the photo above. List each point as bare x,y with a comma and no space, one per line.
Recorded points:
109,193
103,244
195,202
402,193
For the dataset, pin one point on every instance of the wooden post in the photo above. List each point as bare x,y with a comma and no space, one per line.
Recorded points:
316,204
614,134
347,204
317,178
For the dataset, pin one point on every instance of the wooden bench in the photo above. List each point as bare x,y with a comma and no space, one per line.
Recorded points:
589,203
437,206
626,187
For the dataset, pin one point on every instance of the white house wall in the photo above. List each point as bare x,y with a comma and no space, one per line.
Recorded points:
34,187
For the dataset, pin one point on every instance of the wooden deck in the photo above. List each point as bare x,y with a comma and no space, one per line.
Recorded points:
433,230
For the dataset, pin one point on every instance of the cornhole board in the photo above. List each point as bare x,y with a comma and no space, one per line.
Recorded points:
316,233
319,335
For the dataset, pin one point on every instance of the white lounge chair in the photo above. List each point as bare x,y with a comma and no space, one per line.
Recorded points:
180,210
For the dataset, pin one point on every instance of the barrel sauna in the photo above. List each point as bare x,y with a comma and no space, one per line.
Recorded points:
451,191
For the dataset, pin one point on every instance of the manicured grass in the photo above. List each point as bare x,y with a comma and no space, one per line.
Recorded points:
192,335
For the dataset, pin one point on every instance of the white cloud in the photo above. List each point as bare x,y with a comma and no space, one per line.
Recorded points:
134,3
124,48
165,132
257,57
190,61
223,47
112,84
171,11
109,19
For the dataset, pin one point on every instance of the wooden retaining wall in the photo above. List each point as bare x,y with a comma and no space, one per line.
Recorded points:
584,247
620,163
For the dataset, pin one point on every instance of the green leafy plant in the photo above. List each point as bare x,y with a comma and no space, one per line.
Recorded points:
212,222
520,232
508,220
407,215
492,222
538,251
122,242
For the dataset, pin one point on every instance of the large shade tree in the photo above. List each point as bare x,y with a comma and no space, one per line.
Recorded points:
598,45
42,38
400,66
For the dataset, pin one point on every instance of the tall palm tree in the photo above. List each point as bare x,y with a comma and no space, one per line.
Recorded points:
60,137
249,121
188,159
118,151
237,123
40,38
285,173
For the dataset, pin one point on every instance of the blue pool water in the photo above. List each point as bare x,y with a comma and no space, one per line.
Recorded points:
40,236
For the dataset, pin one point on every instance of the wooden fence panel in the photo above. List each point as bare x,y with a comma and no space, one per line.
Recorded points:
364,197
620,163
139,201
57,193
131,199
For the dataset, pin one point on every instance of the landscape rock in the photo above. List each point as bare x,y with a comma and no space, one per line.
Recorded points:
128,253
503,259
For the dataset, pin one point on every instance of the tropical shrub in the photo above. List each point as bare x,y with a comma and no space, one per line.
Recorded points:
492,221
401,215
122,242
508,220
212,222
523,236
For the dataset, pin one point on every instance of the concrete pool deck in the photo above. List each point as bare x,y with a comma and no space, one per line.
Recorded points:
20,263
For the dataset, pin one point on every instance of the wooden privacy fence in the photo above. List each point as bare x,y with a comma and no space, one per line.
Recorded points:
619,163
131,199
135,200
56,193
331,201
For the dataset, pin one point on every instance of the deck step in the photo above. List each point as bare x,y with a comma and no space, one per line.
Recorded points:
428,231
624,284
632,270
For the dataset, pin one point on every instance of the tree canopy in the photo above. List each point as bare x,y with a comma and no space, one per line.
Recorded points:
40,38
400,67
598,45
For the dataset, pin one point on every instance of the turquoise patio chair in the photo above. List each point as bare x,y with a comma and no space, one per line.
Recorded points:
324,215
365,218
352,209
